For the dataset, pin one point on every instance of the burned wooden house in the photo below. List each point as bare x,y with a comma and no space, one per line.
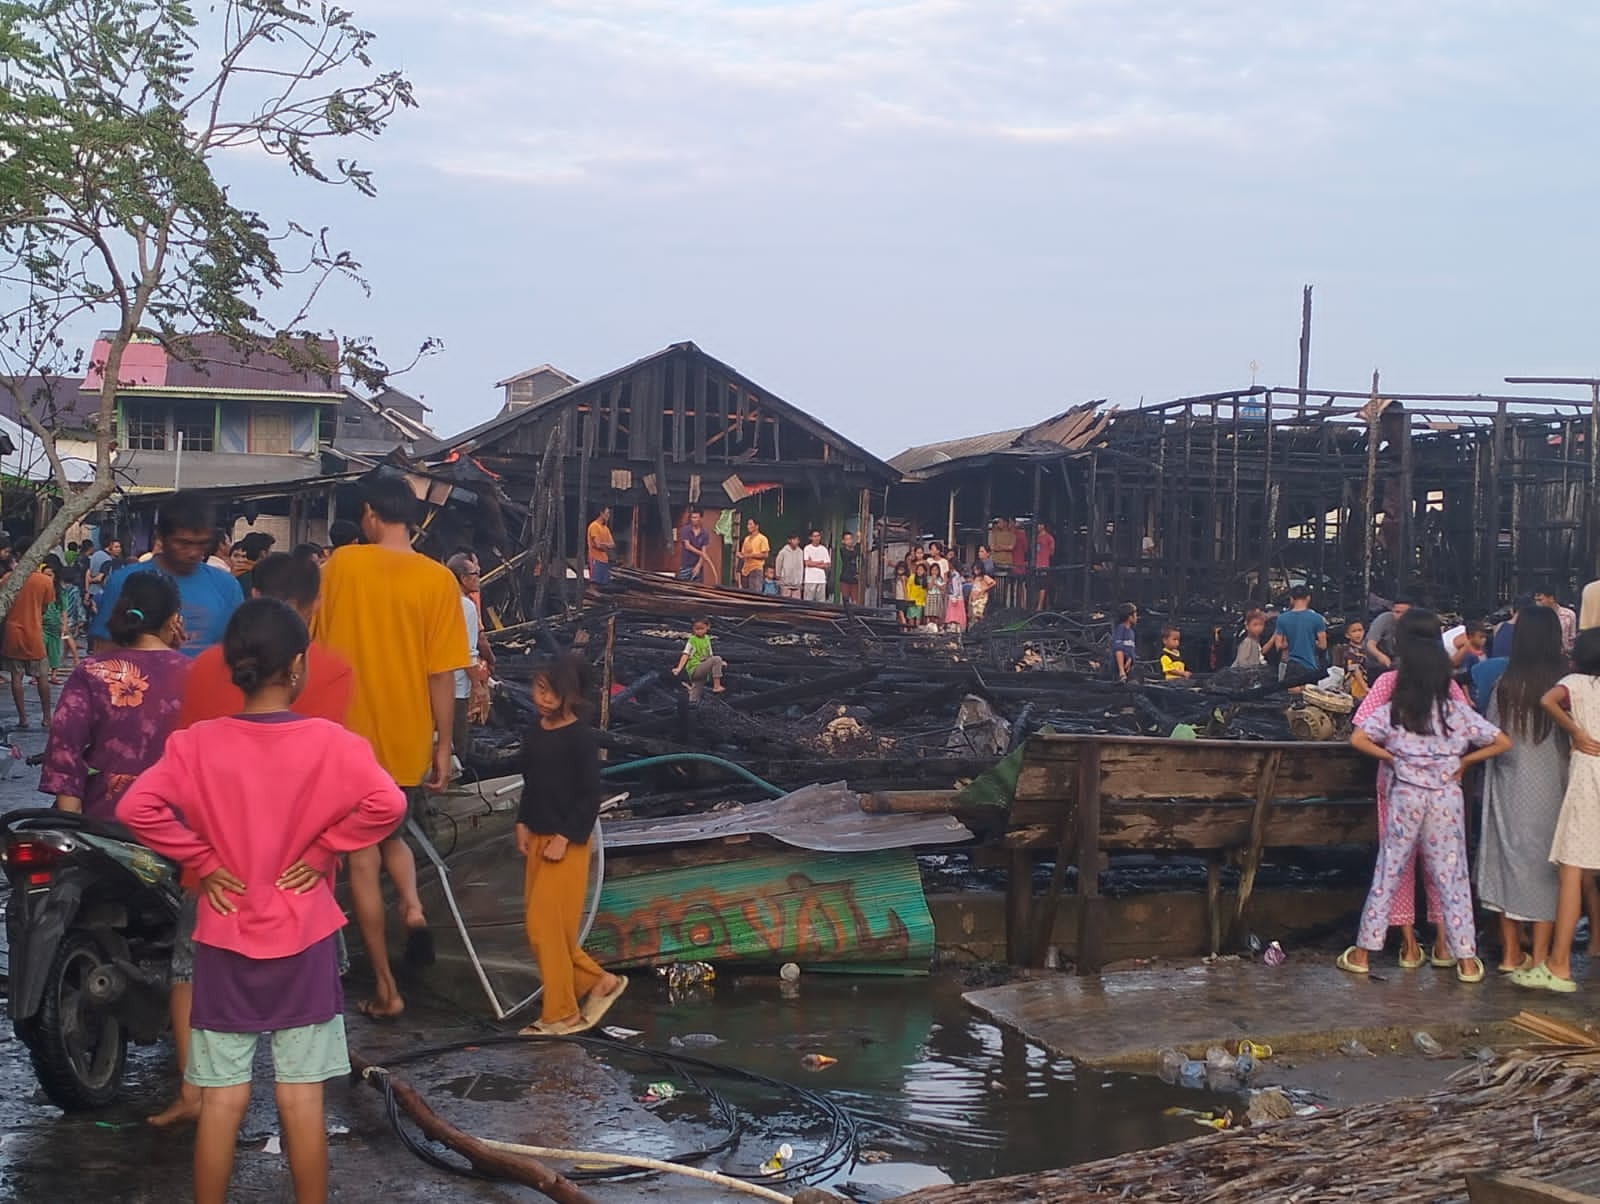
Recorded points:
1466,502
675,430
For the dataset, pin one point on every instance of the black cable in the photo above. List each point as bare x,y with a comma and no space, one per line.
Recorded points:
839,1147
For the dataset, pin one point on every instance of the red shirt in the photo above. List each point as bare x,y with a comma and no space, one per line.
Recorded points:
211,694
24,632
1044,547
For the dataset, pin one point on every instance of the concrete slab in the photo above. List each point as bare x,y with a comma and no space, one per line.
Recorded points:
1120,1020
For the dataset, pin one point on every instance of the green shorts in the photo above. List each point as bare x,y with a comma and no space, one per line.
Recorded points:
311,1053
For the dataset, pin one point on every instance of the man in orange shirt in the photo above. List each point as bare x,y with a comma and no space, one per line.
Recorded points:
23,646
210,692
396,616
600,541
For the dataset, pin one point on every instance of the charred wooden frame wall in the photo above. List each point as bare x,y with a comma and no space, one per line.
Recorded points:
663,433
1474,500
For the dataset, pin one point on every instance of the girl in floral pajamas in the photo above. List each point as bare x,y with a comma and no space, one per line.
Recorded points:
1428,739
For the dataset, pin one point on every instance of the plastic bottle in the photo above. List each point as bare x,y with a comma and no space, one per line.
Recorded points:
1245,1064
1192,1074
1169,1062
1426,1045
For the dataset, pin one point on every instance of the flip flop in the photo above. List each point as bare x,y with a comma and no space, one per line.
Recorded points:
369,1009
596,1006
1415,963
1344,963
1440,963
540,1028
1471,975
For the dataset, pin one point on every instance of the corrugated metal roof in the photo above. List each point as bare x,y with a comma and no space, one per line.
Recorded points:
213,362
1065,433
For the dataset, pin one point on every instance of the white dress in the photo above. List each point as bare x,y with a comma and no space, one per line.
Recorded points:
1577,839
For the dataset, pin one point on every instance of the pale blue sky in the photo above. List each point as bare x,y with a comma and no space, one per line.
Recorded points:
926,218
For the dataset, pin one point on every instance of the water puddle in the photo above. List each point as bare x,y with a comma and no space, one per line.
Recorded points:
486,1088
936,1089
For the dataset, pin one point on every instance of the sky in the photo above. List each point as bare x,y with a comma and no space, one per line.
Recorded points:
920,219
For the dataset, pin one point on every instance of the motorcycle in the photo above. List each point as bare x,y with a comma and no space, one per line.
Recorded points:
92,919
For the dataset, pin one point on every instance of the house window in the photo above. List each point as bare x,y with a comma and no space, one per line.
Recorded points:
146,425
269,431
198,426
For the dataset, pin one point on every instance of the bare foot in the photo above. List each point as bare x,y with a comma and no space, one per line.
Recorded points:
184,1110
413,917
608,986
719,688
382,1010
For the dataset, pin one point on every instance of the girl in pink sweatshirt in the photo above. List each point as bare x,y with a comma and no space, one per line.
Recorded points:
264,845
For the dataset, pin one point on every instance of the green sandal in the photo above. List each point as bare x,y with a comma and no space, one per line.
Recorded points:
1541,979
1349,967
1471,976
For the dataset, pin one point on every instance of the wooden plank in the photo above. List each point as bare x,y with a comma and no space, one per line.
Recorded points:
1258,829
680,403
1214,901
1144,768
1019,906
698,394
1515,1189
1091,907
1189,826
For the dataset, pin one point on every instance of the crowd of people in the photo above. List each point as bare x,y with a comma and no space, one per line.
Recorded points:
349,669
1520,696
929,587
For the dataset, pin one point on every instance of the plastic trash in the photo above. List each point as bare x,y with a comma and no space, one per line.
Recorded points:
782,1154
1192,1074
658,1093
1052,958
696,1041
790,972
1246,1063
1220,1058
1169,1062
816,1061
688,974
1273,955
1259,1050
1354,1049
1426,1045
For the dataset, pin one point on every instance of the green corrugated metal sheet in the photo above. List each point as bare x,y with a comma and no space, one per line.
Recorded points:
864,910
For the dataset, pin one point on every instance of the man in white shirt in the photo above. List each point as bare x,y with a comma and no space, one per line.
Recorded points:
818,560
791,567
465,568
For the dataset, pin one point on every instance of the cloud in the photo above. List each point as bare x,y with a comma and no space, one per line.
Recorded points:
566,93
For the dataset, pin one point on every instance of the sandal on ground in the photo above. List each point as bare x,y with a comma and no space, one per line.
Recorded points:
1344,963
1440,963
1471,975
1539,978
1526,964
597,1005
563,1028
1413,963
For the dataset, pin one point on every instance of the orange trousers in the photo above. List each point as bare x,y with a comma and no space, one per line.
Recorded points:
552,897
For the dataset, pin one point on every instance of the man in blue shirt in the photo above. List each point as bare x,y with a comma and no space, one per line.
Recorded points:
1500,646
1302,634
208,595
1124,641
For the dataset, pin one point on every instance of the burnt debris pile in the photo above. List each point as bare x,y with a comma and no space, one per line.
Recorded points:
817,690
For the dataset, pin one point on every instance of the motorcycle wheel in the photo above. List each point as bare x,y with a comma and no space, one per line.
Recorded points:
79,1051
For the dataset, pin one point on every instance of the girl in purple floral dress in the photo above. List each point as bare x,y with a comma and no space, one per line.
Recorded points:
117,707
1429,739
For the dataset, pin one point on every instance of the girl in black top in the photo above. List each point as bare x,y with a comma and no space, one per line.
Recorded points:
560,803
